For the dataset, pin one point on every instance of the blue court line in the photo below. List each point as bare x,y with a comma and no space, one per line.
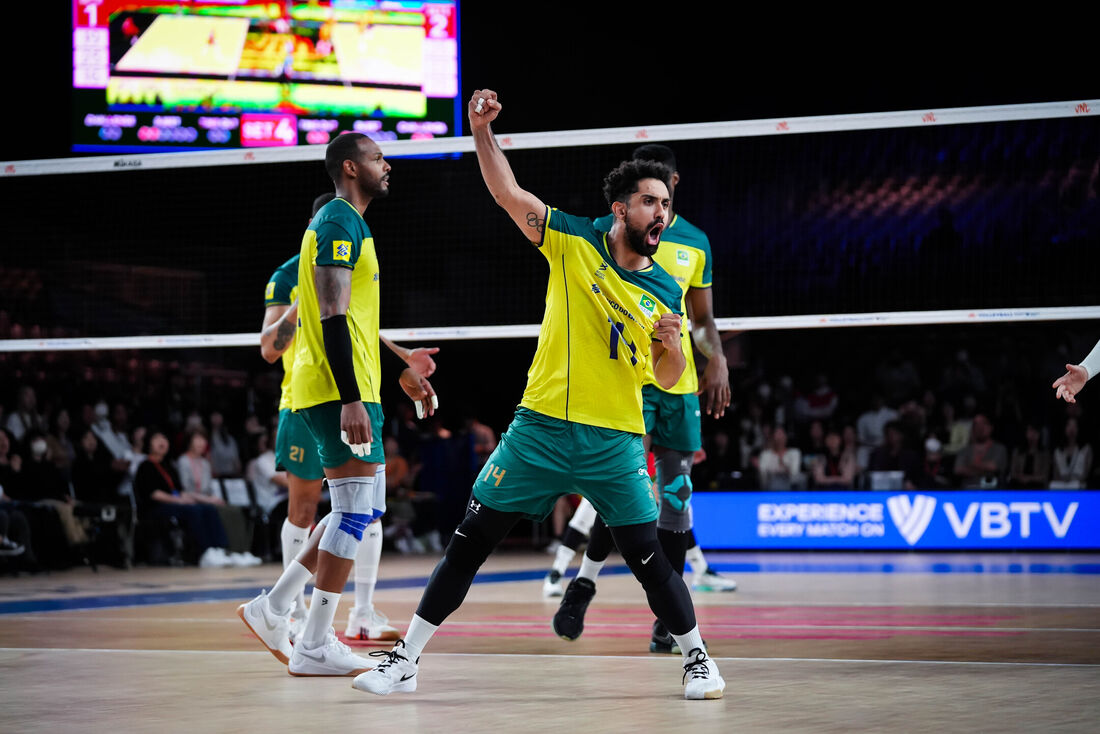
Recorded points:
244,593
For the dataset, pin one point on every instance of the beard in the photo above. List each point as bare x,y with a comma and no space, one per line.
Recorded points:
375,189
640,240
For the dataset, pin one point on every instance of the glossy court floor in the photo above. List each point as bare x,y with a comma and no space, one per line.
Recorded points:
809,643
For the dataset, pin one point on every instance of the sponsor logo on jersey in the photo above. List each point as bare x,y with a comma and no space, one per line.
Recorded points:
270,292
600,270
341,250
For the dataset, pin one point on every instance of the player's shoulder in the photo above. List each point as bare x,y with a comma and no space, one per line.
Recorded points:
662,285
685,233
571,224
289,269
338,213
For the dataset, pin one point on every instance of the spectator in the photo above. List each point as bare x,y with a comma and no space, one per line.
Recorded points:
1072,461
813,447
269,484
984,462
59,443
112,434
836,467
12,525
162,498
819,404
95,484
934,472
894,456
1030,463
781,465
25,417
43,485
225,456
957,429
896,378
11,464
195,475
870,428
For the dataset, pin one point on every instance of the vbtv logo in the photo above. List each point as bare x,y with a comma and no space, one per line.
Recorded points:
912,517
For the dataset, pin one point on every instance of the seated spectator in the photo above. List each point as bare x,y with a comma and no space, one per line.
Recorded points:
1030,462
1072,461
161,497
59,444
10,545
984,462
95,484
195,475
836,467
813,447
225,456
781,465
934,472
269,484
25,418
894,456
871,428
44,485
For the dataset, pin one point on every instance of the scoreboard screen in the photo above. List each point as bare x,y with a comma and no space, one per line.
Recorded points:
153,75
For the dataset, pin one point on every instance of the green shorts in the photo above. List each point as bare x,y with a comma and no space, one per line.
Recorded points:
295,449
672,421
323,422
540,458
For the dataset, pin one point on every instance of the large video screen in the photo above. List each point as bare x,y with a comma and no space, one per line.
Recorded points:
210,74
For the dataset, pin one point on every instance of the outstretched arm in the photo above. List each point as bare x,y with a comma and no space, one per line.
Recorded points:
1068,385
418,358
525,209
716,375
278,330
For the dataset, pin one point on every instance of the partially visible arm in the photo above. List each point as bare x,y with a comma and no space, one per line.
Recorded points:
716,375
525,209
418,358
1068,385
278,330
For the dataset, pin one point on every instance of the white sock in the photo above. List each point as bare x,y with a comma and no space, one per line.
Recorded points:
590,569
563,558
293,540
366,565
288,587
417,636
694,556
690,641
322,610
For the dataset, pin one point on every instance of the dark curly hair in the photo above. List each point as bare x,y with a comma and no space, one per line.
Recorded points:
623,179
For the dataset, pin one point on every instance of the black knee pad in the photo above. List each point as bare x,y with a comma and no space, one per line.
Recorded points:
475,538
674,483
643,554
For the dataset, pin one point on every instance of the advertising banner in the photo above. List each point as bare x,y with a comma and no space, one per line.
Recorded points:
986,520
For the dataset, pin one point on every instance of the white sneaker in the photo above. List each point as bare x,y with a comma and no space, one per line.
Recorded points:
297,627
395,674
552,585
367,623
272,629
331,658
708,580
242,560
214,558
701,679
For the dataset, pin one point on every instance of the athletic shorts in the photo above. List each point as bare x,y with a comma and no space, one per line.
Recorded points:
672,421
295,449
540,458
323,422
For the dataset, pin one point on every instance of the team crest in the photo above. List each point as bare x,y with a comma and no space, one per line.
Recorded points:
647,304
682,257
341,250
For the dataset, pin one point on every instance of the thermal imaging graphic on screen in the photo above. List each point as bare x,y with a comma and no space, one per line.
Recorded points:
222,73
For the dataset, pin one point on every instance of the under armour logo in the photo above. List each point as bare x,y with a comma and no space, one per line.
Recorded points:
475,506
911,517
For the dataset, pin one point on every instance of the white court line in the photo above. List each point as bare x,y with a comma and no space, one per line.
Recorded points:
634,658
630,625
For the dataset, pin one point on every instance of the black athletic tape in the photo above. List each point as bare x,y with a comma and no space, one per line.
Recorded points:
337,339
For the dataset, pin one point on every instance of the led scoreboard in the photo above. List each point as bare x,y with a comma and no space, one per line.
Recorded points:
210,74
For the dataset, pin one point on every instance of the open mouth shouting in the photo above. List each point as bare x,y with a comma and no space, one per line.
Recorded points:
653,234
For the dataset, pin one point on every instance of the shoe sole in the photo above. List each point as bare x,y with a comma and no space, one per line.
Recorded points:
703,587
285,660
406,687
388,636
357,671
708,696
664,649
567,638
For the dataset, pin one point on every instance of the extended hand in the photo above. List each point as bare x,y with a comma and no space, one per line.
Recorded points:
420,360
489,108
1068,385
420,390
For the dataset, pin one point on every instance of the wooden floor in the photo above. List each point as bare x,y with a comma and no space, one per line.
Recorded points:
810,642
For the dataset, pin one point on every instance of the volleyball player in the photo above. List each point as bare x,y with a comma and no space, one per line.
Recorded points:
296,452
611,316
673,425
1068,385
334,388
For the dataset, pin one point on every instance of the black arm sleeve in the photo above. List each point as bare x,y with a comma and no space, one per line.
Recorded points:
337,338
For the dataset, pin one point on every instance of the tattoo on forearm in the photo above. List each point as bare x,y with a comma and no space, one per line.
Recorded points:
535,222
284,334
